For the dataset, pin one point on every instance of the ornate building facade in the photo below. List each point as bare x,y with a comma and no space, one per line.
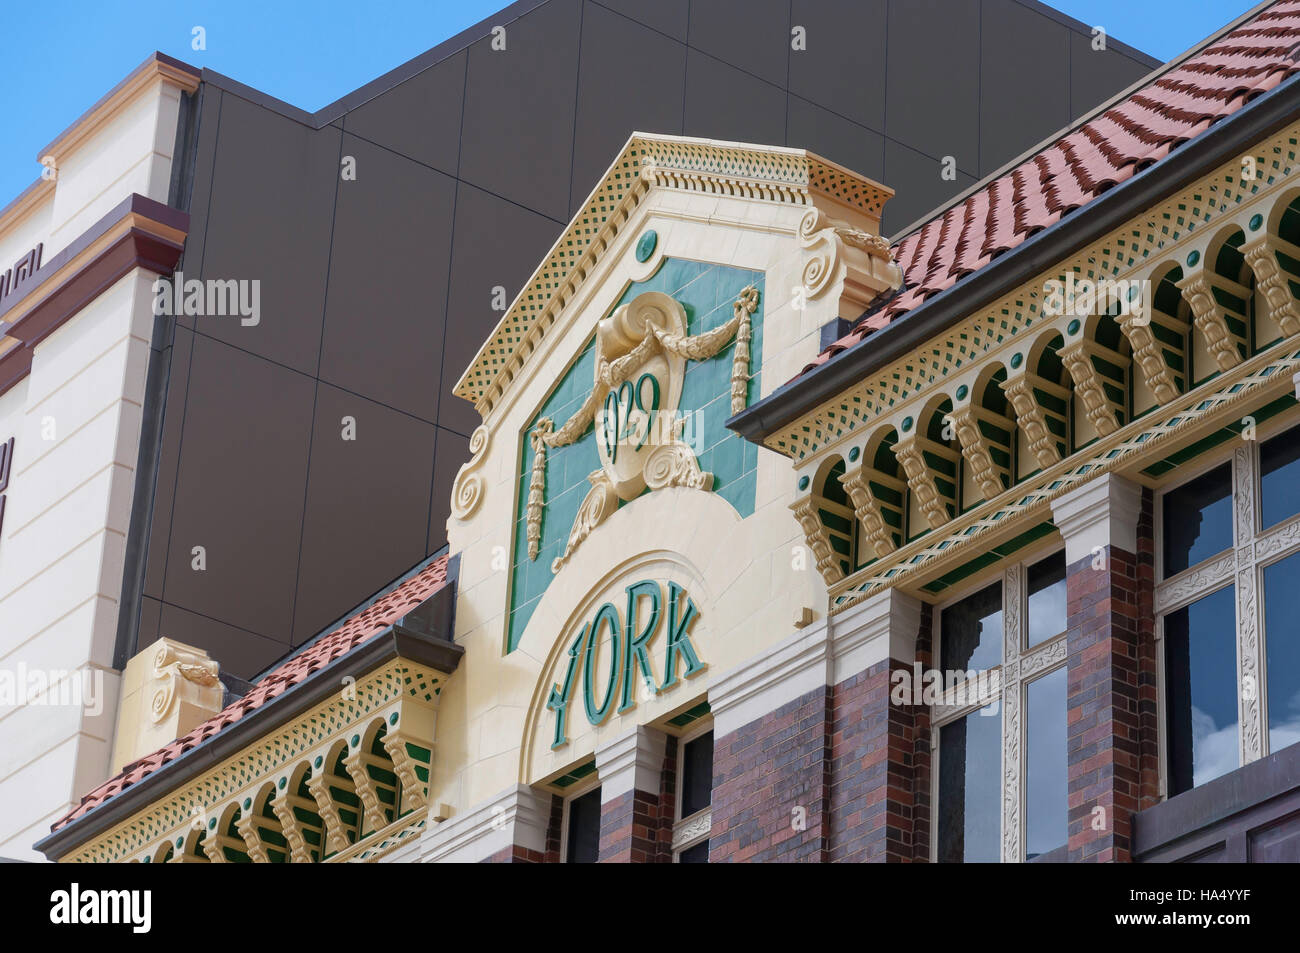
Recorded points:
783,541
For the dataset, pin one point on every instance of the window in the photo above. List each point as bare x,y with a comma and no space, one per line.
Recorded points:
1000,730
694,800
582,828
970,795
1226,604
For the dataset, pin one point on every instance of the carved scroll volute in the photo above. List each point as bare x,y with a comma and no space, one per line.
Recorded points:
1209,319
920,479
814,531
467,488
837,253
1031,420
867,508
1261,255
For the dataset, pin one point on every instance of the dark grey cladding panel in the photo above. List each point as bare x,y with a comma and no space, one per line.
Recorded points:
388,281
753,35
843,67
241,653
367,499
919,185
669,17
239,495
933,88
517,135
1024,80
498,244
451,453
632,81
723,102
1097,75
836,138
268,218
420,118
178,358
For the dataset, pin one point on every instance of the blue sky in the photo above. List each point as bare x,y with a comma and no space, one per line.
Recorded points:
58,60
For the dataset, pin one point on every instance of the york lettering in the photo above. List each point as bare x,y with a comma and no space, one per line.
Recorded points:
611,654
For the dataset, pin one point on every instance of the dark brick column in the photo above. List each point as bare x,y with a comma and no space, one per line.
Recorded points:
1111,700
631,780
771,785
880,766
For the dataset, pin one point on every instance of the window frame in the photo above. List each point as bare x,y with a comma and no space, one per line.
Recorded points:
1010,691
582,788
693,830
1253,549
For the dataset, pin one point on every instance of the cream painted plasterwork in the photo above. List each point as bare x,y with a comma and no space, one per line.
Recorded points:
699,166
1187,222
1214,403
393,694
648,334
946,369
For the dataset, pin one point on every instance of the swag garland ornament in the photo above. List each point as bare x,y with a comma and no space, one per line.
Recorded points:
641,354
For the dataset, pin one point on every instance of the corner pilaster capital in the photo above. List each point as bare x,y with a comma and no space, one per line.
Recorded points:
1103,512
632,761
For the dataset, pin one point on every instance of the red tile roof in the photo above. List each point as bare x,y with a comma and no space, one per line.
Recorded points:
1176,106
358,629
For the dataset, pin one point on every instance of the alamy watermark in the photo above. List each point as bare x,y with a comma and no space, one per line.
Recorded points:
210,298
1083,297
53,687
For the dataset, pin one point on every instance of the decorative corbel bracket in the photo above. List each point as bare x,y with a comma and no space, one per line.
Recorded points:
1261,255
988,475
921,480
814,531
870,513
858,263
1223,344
1031,420
1100,408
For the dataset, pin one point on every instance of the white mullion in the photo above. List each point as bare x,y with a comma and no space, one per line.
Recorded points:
1013,601
1249,645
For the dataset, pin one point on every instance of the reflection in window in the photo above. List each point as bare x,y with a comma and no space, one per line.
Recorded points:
971,631
1201,676
1279,477
1046,827
1282,651
1198,519
1046,586
970,788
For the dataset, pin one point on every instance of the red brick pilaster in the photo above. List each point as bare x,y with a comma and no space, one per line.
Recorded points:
880,766
771,785
631,770
1111,702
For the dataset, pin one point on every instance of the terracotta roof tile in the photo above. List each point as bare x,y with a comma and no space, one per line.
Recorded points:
1136,132
355,631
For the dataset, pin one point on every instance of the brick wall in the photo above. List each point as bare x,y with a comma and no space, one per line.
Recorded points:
762,773
1111,697
637,827
880,768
